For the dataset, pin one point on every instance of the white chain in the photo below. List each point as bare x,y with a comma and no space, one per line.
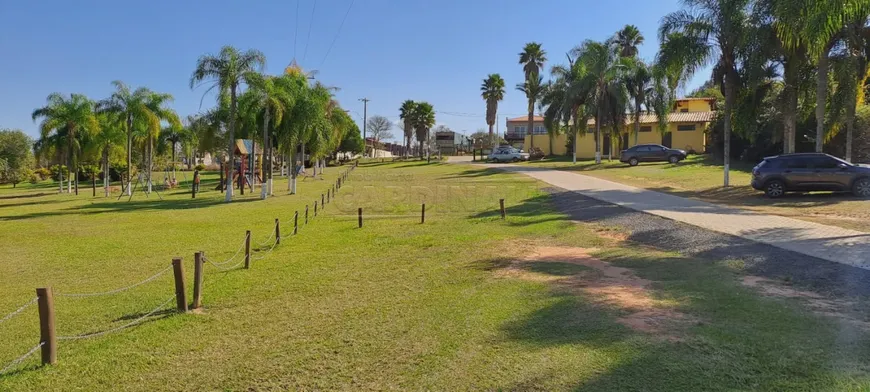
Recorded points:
108,331
21,309
116,291
21,358
263,254
221,268
268,239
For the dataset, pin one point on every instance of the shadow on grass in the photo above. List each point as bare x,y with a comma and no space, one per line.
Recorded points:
745,195
26,195
475,173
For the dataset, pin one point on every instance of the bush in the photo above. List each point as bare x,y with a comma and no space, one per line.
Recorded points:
34,178
43,173
199,167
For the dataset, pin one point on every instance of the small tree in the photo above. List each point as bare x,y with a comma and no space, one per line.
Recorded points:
16,157
380,127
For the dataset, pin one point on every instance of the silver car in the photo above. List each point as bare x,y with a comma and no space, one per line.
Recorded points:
508,155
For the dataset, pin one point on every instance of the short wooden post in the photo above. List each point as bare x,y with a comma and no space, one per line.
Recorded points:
197,280
296,223
322,204
423,214
306,214
277,231
501,204
315,208
359,212
47,337
180,292
247,249
94,185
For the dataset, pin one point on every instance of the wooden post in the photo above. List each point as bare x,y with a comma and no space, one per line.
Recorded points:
322,204
94,185
423,214
359,212
315,208
46,326
247,249
501,203
277,232
327,195
296,223
180,292
197,280
306,214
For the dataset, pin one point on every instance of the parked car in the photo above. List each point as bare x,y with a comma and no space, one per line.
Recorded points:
651,153
810,172
508,155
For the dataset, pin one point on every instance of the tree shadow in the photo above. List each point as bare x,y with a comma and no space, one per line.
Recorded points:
474,173
123,206
26,195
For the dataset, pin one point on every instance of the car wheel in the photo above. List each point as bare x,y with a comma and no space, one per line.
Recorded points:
673,159
774,189
515,159
633,162
861,188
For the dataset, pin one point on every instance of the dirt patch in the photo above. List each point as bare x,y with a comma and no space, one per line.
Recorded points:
603,283
840,309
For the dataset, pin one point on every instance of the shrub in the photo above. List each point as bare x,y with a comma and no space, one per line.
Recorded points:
199,167
43,173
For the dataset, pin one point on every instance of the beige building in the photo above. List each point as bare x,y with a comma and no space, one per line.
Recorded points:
687,129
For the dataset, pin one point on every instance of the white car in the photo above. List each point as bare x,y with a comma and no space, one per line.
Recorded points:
508,155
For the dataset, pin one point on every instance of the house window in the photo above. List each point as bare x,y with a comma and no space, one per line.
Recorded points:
520,131
684,110
646,128
686,127
540,130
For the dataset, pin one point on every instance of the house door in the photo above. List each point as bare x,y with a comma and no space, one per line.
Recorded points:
666,140
605,150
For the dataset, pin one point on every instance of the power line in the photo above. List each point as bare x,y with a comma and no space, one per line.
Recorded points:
310,23
336,34
296,29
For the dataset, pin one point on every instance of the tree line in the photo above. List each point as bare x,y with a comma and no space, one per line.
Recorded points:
291,118
788,75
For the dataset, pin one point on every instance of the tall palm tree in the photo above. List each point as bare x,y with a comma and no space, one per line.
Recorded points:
492,91
406,113
227,71
264,100
534,89
714,31
155,104
74,116
171,137
565,100
628,39
604,70
532,58
638,81
424,119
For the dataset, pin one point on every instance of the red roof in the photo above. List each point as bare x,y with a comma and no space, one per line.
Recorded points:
526,119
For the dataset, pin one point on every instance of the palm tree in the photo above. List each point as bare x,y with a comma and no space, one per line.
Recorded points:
406,113
227,71
714,31
534,89
532,58
638,81
604,70
110,134
492,91
155,105
74,116
565,100
424,119
173,136
265,99
628,39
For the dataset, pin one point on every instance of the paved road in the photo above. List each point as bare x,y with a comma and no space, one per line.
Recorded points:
830,243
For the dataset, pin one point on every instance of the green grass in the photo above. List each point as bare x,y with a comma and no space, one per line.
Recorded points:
701,177
395,305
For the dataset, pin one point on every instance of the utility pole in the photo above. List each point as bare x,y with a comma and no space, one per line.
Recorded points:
365,102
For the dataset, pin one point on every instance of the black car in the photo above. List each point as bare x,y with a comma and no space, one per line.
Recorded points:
810,172
651,153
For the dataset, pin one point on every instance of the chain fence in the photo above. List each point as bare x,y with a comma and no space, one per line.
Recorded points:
21,358
19,310
116,329
116,291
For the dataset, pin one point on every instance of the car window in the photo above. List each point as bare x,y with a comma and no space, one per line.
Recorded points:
824,163
797,163
643,149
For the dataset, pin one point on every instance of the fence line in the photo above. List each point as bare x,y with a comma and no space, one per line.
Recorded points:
21,309
108,331
116,291
268,239
220,267
227,261
263,254
21,358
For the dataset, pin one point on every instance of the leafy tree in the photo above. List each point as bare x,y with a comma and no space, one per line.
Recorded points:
492,91
73,117
710,31
227,71
380,127
532,58
424,119
638,82
601,83
406,114
628,39
16,159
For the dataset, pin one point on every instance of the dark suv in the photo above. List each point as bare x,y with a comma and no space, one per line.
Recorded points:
810,172
651,153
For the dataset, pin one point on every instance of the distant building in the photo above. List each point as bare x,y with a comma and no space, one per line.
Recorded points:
452,143
687,130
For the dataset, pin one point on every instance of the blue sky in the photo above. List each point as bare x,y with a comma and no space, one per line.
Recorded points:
387,50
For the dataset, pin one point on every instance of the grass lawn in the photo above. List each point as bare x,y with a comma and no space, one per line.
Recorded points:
700,177
466,301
